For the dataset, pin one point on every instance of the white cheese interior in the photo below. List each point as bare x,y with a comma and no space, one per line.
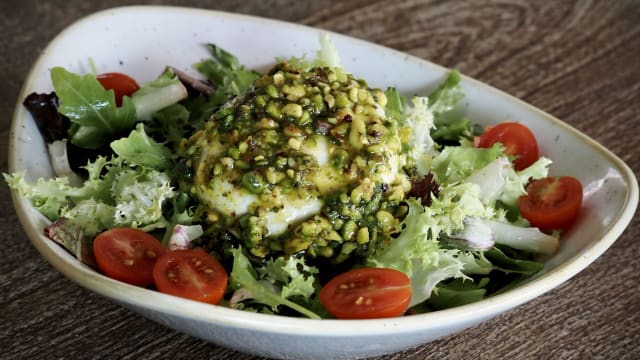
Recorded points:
292,212
235,201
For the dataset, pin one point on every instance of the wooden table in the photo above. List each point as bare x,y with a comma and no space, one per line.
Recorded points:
578,60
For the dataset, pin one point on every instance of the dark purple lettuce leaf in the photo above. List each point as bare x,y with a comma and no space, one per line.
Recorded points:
44,109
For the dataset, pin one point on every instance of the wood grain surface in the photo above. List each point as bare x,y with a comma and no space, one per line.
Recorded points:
578,60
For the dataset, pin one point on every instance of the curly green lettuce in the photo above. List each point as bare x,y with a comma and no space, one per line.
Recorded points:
275,284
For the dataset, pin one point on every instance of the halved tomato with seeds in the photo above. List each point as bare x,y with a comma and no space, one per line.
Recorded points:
127,255
552,203
367,293
191,274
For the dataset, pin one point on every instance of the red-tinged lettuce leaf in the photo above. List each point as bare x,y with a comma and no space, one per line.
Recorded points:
72,238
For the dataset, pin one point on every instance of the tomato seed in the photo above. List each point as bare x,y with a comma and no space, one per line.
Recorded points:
128,262
368,302
359,300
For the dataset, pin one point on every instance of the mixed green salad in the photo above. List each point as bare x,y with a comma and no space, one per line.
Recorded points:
301,191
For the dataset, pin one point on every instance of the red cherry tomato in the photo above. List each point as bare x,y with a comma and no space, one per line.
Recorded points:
367,293
122,84
517,139
192,274
127,255
552,203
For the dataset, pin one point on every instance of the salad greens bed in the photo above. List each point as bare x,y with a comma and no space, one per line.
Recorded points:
458,240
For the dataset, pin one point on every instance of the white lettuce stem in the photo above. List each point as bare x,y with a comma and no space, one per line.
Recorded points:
481,234
158,99
520,238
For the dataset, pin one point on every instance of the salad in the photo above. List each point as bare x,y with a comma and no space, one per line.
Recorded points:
301,191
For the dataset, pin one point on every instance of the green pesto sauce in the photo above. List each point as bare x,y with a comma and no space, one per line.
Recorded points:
319,139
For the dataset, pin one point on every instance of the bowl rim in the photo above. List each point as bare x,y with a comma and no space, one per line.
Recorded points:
153,300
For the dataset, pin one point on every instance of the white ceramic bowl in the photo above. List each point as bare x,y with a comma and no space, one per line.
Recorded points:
141,40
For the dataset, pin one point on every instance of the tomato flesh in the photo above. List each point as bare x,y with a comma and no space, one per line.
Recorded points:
191,274
121,84
552,203
517,139
367,293
127,255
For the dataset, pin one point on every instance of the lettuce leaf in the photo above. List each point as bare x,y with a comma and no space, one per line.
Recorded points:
262,287
158,94
457,292
95,118
447,95
140,149
117,192
326,56
450,125
226,72
73,239
512,264
420,119
417,251
396,105
456,163
292,275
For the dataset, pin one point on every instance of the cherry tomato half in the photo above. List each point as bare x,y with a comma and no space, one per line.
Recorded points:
517,139
127,255
367,293
122,84
552,203
191,274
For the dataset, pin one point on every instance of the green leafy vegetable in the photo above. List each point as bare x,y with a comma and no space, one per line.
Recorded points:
447,95
499,181
140,149
512,264
396,105
158,94
170,125
244,280
443,102
292,275
457,292
455,163
95,118
226,72
419,118
326,56
417,252
116,193
523,238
